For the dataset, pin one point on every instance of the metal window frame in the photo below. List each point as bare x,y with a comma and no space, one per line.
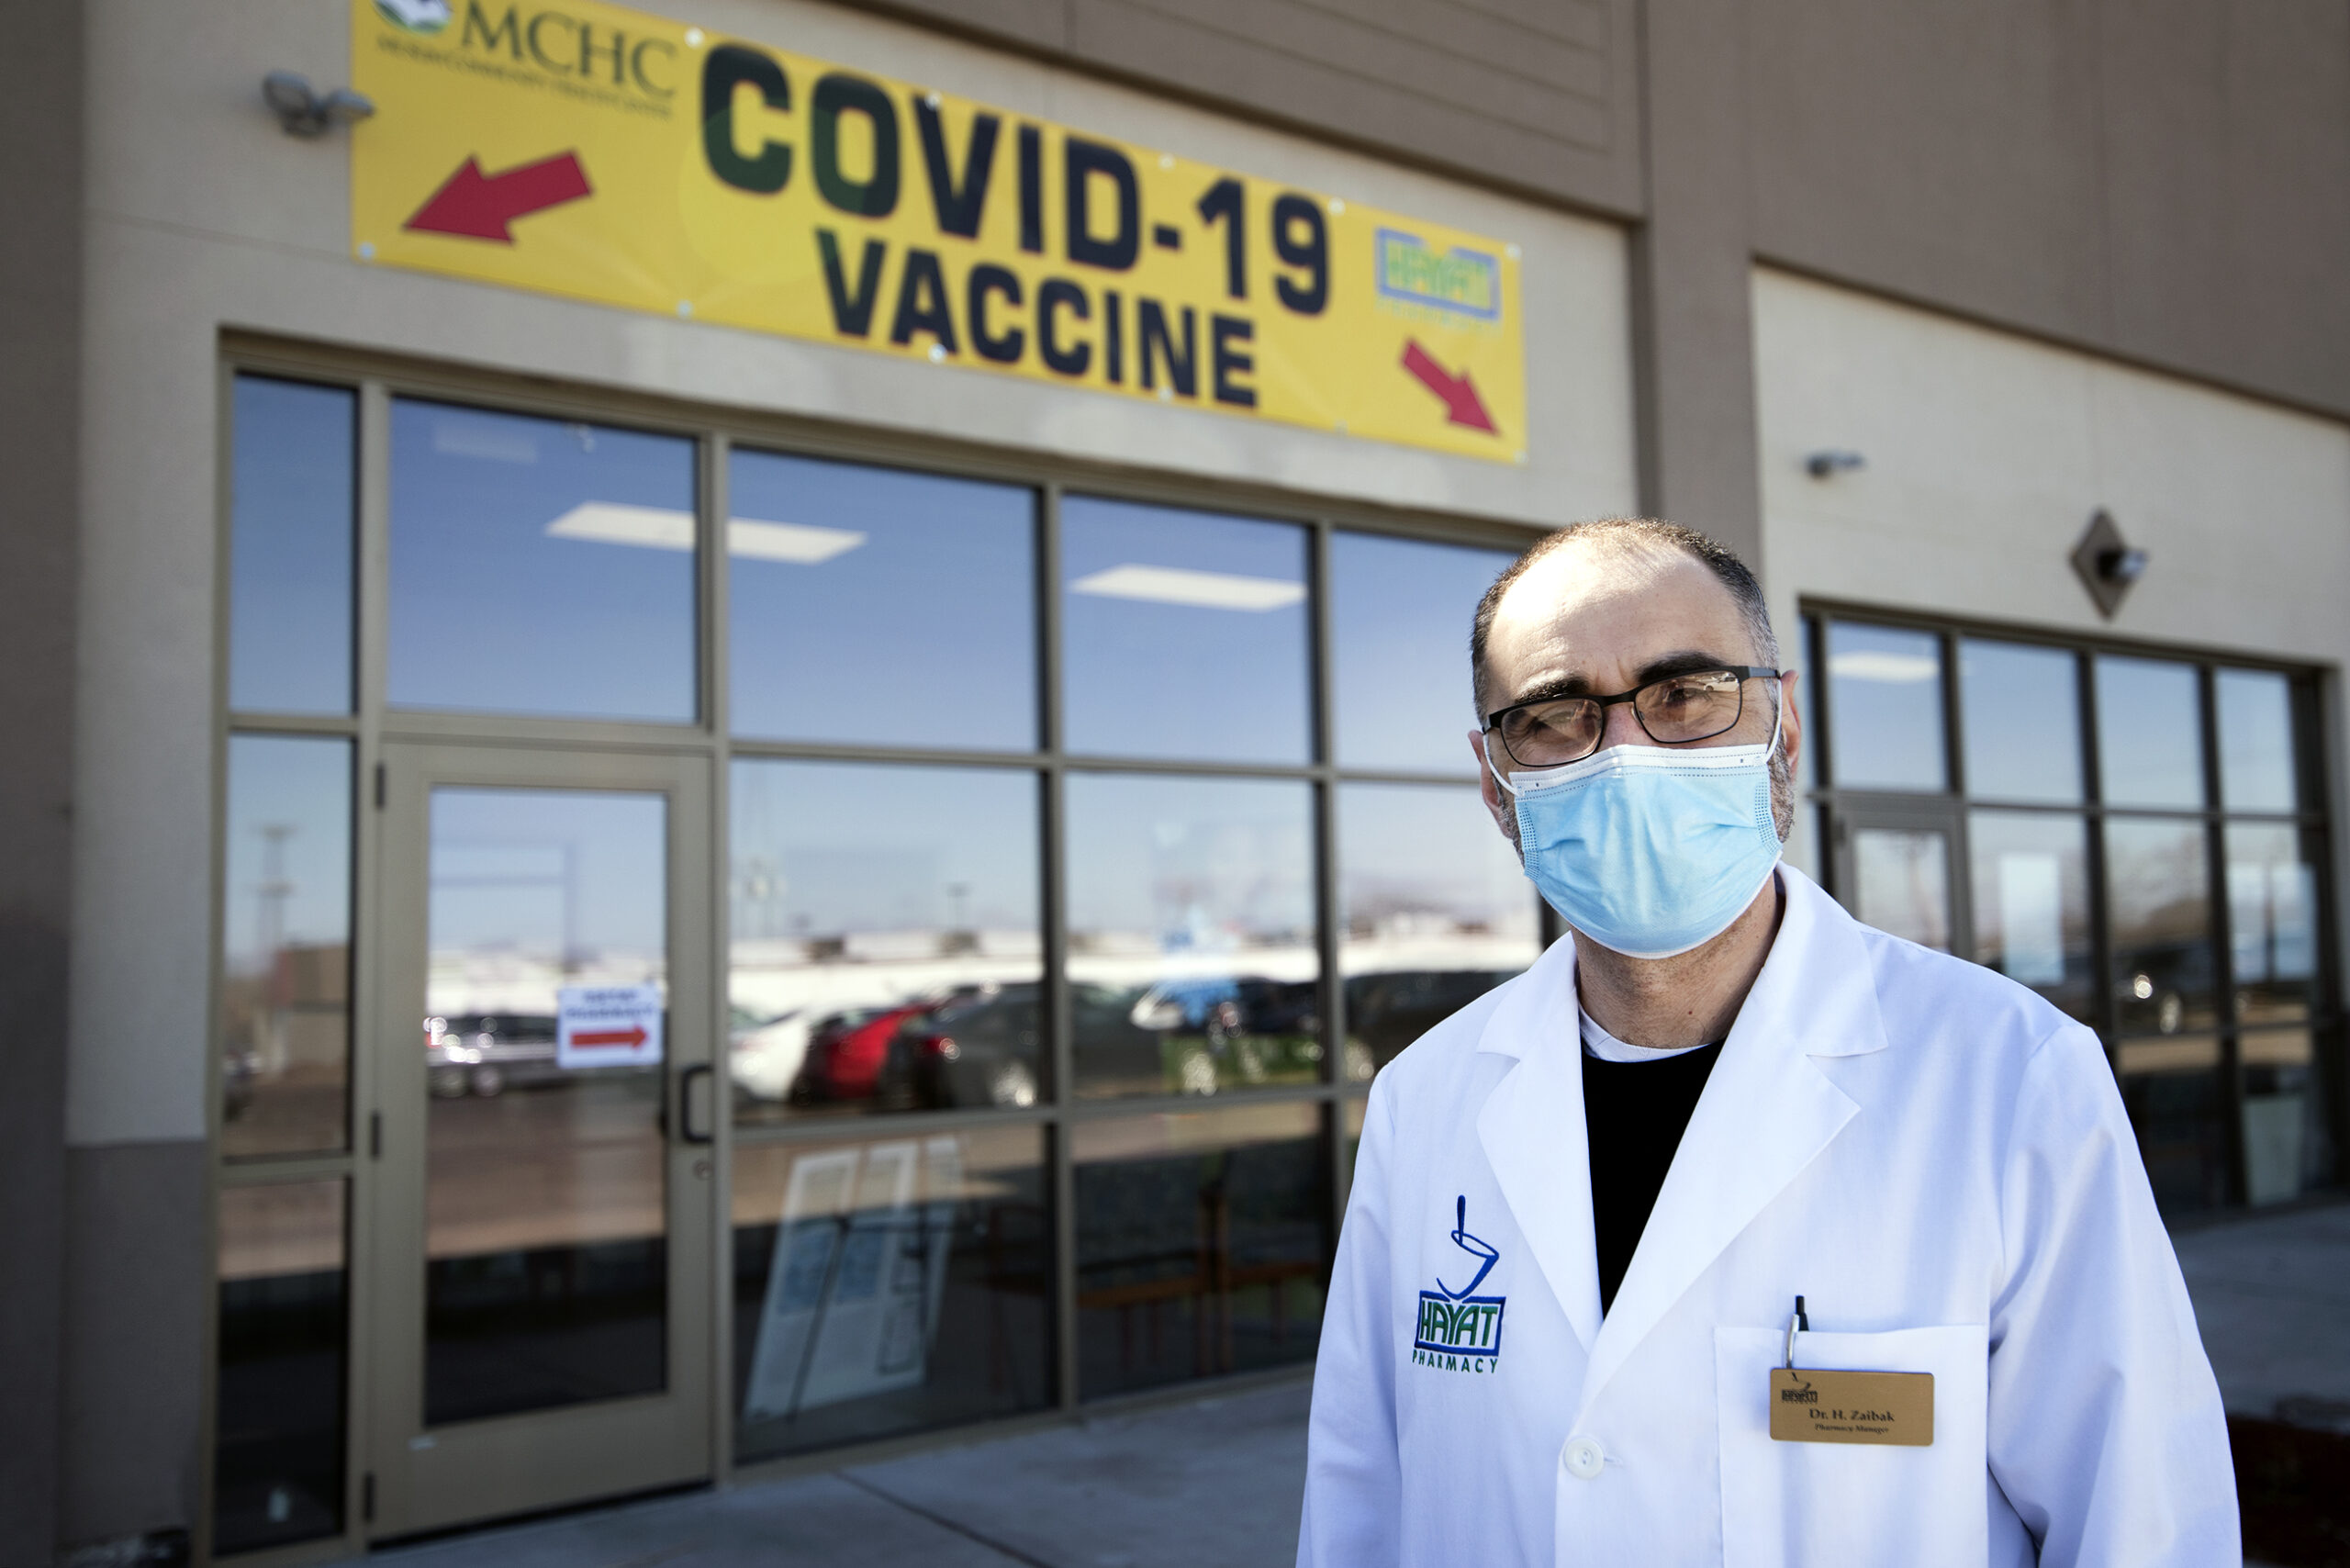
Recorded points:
717,430
2315,744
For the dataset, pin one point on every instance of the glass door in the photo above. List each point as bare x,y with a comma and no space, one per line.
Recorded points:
1898,870
539,1327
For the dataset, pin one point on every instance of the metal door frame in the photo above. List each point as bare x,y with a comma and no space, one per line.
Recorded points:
425,1479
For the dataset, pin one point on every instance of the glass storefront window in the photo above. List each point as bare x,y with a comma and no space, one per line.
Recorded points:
1193,962
540,566
1885,705
2031,896
2272,922
1203,1245
1399,616
285,969
1434,911
294,493
2256,771
887,952
277,1470
1184,634
2283,1117
2221,1018
888,1285
1903,882
879,606
1352,1112
2021,711
2149,733
2158,895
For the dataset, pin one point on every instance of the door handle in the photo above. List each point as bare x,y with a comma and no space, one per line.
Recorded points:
685,1102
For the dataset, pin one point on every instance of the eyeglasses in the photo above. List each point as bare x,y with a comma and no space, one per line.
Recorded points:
1695,705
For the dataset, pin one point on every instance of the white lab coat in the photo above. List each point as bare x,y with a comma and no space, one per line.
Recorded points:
1929,1153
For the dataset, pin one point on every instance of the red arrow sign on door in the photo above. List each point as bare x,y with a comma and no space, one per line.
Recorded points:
632,1037
1461,404
480,206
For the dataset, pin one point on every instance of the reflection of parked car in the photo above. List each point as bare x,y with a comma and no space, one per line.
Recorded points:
1219,1032
488,1053
980,1046
765,1054
845,1053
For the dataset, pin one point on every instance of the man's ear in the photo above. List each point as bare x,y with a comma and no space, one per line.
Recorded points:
1498,806
1791,722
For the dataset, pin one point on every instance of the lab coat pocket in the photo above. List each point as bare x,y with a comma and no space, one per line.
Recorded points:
1805,1503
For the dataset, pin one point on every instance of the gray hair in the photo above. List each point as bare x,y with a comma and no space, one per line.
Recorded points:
1653,531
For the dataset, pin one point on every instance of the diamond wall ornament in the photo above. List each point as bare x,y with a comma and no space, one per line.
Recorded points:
2109,565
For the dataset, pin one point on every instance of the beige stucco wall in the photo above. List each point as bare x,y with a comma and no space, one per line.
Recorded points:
204,217
1986,454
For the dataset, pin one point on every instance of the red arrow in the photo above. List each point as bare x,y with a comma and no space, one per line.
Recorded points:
480,206
1461,404
632,1037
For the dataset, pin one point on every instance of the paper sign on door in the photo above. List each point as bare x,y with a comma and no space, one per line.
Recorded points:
608,1025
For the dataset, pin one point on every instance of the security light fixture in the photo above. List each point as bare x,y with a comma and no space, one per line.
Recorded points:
301,112
2109,565
1826,464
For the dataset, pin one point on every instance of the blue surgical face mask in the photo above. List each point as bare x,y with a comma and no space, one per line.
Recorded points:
1650,850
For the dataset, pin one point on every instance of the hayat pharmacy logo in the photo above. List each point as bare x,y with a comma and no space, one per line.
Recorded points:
426,16
1460,1330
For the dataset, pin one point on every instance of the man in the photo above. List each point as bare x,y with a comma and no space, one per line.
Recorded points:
1563,1325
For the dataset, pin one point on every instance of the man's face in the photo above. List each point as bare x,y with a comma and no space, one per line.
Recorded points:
1605,616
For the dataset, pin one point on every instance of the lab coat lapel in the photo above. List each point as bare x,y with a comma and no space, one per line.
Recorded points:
1532,1132
1766,1113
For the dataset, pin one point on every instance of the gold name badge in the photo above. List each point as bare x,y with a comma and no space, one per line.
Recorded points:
1812,1405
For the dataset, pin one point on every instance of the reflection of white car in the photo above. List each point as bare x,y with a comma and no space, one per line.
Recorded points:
767,1055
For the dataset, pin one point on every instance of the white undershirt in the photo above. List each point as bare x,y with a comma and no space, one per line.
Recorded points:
1598,1042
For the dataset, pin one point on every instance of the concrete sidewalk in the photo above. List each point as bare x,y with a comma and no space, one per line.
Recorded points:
1214,1484
2272,1297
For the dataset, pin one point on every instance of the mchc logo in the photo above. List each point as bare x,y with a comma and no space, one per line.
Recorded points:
427,17
1460,1330
1801,1393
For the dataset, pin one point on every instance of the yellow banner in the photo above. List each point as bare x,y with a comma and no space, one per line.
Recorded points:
605,154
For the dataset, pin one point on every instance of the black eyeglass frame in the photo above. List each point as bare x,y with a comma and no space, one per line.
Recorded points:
1744,673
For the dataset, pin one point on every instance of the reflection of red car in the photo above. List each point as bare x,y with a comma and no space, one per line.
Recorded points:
846,1053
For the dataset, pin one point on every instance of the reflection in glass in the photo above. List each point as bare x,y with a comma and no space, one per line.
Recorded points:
2031,904
292,487
285,980
2286,1149
278,1402
1400,610
1185,634
1807,712
539,566
2256,772
546,1233
887,1286
1434,911
1201,1246
1885,699
1192,934
1903,875
886,947
1352,1112
2171,1089
878,605
2272,922
2020,707
2158,897
2149,733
